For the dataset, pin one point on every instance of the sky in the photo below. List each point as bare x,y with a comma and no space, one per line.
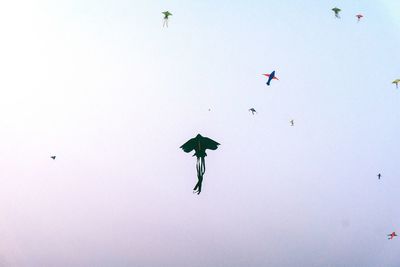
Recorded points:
109,91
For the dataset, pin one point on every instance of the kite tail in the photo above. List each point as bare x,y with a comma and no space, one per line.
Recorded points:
201,169
203,165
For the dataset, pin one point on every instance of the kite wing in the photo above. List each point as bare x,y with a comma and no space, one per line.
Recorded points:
209,143
275,78
189,145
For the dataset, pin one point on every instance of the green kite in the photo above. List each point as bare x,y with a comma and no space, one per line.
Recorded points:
336,10
396,82
166,15
199,144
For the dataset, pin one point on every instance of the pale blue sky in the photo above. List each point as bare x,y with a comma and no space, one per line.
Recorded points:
102,85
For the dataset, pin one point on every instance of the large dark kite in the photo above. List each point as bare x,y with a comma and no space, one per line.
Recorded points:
199,144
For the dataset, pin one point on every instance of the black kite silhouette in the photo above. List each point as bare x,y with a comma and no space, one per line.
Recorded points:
199,144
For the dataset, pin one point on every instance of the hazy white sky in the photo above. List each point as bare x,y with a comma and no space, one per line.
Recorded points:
102,85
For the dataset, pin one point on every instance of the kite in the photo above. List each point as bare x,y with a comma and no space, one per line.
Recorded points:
392,235
396,82
199,144
336,10
271,76
53,157
292,122
379,176
359,17
252,111
166,15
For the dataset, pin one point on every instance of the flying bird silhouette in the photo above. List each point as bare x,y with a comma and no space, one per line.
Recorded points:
379,176
359,17
199,144
252,110
271,77
53,157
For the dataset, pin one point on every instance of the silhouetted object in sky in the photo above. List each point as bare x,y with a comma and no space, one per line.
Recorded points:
166,18
396,82
392,235
271,76
359,17
379,176
291,122
199,144
336,10
252,110
53,157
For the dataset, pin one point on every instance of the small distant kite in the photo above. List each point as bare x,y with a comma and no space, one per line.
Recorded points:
252,110
271,77
392,235
199,144
166,18
292,122
379,176
53,157
396,82
336,10
359,17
